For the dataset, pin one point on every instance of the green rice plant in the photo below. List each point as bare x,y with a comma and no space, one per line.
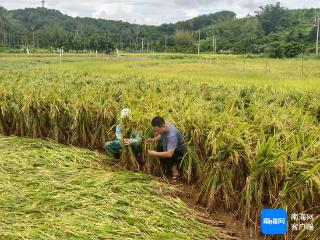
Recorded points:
57,192
253,139
263,177
127,157
151,165
309,234
191,164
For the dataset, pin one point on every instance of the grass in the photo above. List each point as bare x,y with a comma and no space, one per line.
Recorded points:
227,70
50,191
252,125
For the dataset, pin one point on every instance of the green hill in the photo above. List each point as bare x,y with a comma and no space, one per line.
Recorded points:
273,30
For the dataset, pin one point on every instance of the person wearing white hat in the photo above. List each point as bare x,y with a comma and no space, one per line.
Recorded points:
113,148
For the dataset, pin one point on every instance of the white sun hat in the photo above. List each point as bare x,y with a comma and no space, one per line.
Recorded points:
125,113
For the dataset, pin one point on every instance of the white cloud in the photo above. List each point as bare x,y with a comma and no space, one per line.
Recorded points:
153,11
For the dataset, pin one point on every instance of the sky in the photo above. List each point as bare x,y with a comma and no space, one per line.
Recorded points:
153,12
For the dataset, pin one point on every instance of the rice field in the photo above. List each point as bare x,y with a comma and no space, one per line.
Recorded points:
252,124
50,191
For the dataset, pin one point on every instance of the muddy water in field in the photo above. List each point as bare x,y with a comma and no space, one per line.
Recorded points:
236,226
231,224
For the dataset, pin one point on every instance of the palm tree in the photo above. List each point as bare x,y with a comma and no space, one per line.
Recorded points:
4,27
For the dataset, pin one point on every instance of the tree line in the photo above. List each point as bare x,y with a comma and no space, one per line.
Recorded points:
272,30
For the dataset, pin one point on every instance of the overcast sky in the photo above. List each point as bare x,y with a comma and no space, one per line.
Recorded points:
153,12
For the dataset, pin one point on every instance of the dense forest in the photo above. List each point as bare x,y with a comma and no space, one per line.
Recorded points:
272,30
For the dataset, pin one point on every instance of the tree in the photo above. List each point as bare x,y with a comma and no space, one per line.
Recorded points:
4,26
276,50
273,18
273,30
292,49
184,37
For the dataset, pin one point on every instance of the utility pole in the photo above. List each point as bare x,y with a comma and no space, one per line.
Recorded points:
147,42
213,44
317,42
142,45
42,2
165,41
121,42
33,41
199,42
302,62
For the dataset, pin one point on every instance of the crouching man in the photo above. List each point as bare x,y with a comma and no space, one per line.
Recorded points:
173,145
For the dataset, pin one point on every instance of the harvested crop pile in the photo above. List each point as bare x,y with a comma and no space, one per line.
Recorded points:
49,191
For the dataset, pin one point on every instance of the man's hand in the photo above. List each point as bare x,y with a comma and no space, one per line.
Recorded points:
128,141
152,153
155,139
